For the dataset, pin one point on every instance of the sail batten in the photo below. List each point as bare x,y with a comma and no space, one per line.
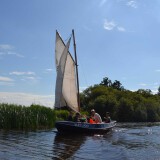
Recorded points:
66,86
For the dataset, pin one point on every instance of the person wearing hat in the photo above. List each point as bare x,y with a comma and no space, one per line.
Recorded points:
107,118
77,117
97,118
70,118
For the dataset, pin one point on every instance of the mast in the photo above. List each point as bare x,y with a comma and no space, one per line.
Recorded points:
74,43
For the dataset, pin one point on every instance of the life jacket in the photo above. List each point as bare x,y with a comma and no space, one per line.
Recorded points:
91,121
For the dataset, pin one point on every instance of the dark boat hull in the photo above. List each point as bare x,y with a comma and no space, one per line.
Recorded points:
82,127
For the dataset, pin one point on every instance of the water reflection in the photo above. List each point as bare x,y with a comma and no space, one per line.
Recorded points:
126,141
65,145
16,145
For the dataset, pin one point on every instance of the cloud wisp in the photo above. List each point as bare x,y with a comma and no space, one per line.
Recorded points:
25,76
6,81
143,84
8,50
132,4
6,47
17,73
111,25
48,70
121,29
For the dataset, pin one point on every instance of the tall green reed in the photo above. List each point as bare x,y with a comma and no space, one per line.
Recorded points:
18,117
26,118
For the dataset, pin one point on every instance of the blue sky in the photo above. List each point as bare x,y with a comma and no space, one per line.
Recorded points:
118,39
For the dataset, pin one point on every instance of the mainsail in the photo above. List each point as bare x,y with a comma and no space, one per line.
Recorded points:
66,86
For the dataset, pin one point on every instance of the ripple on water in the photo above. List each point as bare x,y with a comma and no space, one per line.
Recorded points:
126,141
31,145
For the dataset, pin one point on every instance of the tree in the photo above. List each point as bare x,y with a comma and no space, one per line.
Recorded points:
106,82
145,92
125,110
123,105
159,90
100,104
117,85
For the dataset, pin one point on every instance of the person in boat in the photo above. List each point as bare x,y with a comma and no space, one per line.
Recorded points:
70,116
107,118
90,120
96,117
83,118
77,117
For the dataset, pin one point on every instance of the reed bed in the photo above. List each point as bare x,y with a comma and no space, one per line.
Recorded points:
19,117
35,117
61,115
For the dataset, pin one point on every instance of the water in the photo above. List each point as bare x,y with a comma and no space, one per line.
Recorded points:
126,142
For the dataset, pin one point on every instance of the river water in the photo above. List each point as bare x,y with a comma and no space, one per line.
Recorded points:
127,141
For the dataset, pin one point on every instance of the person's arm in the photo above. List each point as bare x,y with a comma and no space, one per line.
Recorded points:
100,119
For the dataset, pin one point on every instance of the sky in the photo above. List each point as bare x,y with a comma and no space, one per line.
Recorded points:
118,39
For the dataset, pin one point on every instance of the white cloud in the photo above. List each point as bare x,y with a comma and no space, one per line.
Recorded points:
31,78
154,91
121,29
6,49
109,25
49,69
132,4
26,99
26,76
143,84
15,54
21,73
6,79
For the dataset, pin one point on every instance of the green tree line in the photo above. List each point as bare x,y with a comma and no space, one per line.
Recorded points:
123,105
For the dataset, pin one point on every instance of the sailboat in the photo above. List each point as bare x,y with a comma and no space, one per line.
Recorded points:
67,89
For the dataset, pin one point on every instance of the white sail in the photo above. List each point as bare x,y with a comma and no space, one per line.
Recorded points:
66,89
60,76
69,84
60,46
